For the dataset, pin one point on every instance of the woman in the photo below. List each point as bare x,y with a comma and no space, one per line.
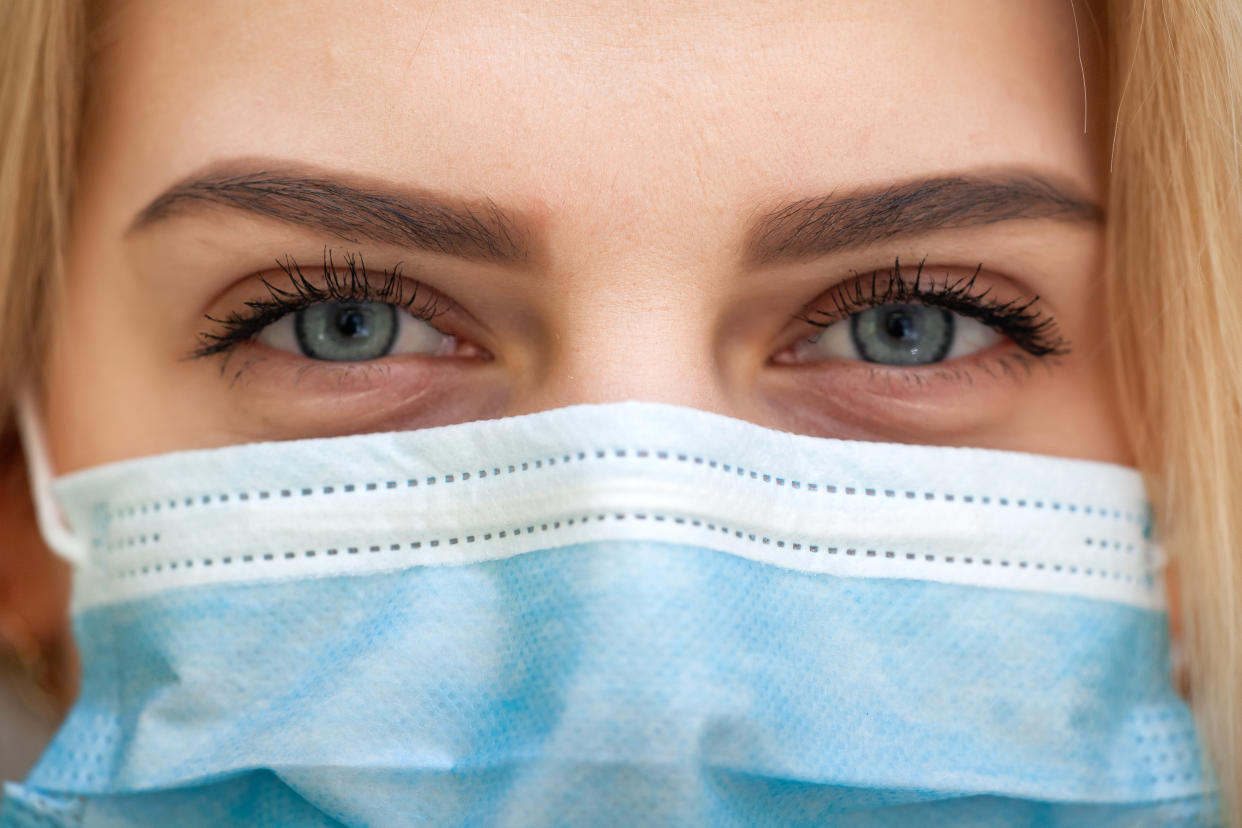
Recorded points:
299,239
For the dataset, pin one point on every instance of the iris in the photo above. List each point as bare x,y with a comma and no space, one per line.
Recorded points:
346,332
902,334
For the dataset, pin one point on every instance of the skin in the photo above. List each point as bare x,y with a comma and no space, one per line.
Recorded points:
637,146
636,151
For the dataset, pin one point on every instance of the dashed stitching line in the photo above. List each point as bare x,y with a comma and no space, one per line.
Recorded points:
601,454
1103,544
709,526
1111,544
1188,776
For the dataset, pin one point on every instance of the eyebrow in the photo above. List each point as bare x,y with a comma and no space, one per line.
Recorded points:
480,230
823,225
348,208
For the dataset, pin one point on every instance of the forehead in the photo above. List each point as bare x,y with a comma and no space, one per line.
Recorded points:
641,115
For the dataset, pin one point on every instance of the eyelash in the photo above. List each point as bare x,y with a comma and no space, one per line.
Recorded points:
353,284
1030,329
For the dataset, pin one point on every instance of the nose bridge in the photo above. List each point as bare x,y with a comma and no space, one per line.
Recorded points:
630,331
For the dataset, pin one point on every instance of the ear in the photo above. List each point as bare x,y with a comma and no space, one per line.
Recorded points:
34,585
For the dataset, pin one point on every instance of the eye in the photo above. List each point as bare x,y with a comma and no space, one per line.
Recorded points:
354,332
904,334
887,318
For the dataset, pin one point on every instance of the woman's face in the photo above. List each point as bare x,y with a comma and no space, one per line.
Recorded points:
875,221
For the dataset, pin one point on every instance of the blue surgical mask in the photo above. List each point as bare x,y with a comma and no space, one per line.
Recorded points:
615,614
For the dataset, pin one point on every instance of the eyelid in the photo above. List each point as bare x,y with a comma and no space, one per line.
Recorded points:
350,283
1020,319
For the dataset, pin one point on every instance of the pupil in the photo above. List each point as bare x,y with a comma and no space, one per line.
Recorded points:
346,332
901,325
352,323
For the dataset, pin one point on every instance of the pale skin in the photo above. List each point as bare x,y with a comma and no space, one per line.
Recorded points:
636,150
635,146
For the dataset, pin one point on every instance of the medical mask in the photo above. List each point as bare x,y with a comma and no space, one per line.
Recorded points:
630,613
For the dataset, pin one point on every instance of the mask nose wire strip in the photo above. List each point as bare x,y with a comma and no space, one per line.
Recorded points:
51,522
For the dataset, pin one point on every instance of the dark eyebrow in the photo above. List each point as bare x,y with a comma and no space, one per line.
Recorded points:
819,226
348,207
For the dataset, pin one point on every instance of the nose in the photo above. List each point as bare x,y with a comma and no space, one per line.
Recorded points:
646,337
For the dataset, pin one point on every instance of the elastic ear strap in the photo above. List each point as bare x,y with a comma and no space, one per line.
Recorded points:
52,526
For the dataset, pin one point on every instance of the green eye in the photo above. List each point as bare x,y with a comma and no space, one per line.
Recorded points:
354,332
340,332
902,334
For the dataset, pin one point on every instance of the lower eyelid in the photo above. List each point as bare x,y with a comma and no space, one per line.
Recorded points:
935,403
976,376
288,376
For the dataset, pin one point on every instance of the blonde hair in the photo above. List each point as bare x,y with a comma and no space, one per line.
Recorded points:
1173,283
41,59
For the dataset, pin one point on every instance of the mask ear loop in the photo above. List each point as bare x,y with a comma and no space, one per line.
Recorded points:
52,524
